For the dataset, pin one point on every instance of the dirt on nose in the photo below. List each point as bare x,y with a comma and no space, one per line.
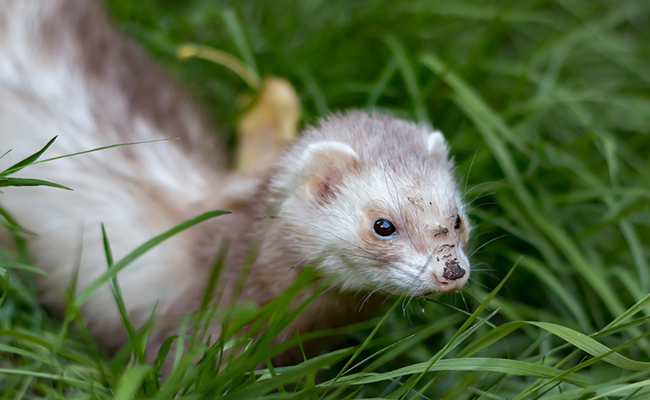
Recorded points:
453,270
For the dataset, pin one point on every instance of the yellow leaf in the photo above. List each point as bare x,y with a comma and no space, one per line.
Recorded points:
267,126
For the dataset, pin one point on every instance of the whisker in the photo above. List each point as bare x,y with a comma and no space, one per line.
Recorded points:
486,243
487,273
481,195
462,296
469,292
474,282
367,297
470,171
481,184
476,207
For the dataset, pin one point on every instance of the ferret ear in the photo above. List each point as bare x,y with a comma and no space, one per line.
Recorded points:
324,166
436,143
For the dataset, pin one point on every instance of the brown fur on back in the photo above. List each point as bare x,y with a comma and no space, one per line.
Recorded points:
119,66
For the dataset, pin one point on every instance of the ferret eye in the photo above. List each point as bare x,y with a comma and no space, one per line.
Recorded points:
458,222
384,227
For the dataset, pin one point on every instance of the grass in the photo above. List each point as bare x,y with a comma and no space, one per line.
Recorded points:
546,105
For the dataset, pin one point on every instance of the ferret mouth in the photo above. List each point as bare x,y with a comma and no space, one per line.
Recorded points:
433,293
420,294
436,292
426,293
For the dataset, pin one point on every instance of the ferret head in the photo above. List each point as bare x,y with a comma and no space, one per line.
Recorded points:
371,201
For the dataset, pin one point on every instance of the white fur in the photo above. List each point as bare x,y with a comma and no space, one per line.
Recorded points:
41,97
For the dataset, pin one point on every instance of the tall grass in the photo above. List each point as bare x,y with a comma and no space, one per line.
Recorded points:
546,105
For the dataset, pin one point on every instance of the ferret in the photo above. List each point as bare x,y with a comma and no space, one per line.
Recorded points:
367,200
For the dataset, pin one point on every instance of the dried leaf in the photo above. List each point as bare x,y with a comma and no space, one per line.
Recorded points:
269,124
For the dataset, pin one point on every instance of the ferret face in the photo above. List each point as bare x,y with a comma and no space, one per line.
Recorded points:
380,219
416,232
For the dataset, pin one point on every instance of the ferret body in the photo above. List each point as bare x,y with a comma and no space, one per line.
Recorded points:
367,200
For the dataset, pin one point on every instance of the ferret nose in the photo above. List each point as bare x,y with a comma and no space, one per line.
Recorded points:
452,277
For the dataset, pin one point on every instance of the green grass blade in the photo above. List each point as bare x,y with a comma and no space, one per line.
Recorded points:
135,254
131,381
138,348
29,160
112,146
4,182
236,31
504,366
408,74
466,325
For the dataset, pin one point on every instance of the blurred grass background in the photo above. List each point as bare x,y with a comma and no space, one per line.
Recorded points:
546,105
